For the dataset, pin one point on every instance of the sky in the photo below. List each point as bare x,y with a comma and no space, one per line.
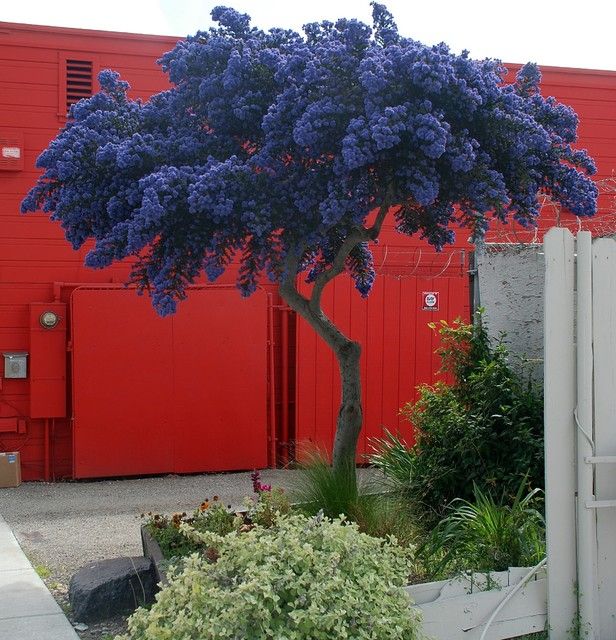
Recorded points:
565,33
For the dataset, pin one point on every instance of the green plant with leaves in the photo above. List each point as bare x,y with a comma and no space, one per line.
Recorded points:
166,531
485,428
335,491
216,517
487,534
302,579
267,506
211,516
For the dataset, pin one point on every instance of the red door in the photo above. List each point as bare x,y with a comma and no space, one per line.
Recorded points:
180,394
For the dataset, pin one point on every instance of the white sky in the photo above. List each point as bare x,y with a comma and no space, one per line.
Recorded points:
566,33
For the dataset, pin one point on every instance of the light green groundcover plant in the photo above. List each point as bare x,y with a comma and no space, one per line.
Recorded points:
303,579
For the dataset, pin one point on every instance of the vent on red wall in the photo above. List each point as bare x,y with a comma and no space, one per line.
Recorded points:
11,150
79,79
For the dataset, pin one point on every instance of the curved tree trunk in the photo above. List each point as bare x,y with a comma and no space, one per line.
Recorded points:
348,352
350,418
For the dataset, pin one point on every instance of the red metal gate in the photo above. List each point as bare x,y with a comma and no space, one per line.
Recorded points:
397,344
179,394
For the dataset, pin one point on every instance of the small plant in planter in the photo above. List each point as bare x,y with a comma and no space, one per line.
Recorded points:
214,517
209,516
486,535
166,532
301,579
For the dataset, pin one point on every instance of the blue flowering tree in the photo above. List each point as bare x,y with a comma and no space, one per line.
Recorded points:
287,152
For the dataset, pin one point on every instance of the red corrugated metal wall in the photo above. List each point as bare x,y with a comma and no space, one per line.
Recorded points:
38,270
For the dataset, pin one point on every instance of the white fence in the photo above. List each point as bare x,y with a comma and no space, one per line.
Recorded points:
479,606
580,458
580,434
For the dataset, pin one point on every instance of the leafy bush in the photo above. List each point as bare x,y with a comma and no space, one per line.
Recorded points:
303,579
486,428
486,535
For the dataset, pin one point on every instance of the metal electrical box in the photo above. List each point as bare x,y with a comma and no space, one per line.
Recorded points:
15,364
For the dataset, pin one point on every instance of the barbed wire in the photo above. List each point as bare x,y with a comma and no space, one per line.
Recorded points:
553,215
399,261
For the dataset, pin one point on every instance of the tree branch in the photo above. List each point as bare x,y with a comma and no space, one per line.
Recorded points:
288,290
357,235
323,326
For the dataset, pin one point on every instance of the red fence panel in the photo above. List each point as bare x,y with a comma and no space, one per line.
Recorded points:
178,394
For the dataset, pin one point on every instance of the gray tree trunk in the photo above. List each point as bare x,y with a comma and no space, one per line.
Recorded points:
347,352
350,418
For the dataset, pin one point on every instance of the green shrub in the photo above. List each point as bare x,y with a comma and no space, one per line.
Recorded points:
303,579
486,535
486,428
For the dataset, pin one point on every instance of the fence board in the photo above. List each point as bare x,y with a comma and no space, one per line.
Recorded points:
560,398
586,518
604,316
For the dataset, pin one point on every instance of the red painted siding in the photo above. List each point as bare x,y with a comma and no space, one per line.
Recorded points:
33,252
179,394
37,414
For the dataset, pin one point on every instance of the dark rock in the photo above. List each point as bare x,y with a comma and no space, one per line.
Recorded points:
111,587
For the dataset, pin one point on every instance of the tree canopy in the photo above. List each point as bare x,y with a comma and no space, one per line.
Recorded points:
275,145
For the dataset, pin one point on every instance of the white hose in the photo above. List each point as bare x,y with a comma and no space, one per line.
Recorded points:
510,595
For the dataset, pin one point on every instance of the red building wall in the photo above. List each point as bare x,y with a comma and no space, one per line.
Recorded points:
40,69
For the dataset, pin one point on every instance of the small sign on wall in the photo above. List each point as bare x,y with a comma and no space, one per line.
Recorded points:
429,300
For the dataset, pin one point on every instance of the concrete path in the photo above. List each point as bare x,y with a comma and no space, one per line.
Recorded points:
27,609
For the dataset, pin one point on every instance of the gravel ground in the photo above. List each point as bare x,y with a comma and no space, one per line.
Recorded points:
63,526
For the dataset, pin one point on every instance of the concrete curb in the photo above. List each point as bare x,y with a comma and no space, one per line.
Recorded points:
28,611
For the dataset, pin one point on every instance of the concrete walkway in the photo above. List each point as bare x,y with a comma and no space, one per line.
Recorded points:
27,609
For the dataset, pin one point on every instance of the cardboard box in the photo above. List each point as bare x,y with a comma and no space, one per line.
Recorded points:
10,469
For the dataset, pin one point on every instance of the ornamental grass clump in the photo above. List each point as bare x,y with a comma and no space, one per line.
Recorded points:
486,534
303,579
320,487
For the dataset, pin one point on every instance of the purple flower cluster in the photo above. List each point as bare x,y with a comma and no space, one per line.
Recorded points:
257,485
270,142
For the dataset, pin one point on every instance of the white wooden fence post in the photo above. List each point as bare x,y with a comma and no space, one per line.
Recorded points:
586,522
560,475
604,337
